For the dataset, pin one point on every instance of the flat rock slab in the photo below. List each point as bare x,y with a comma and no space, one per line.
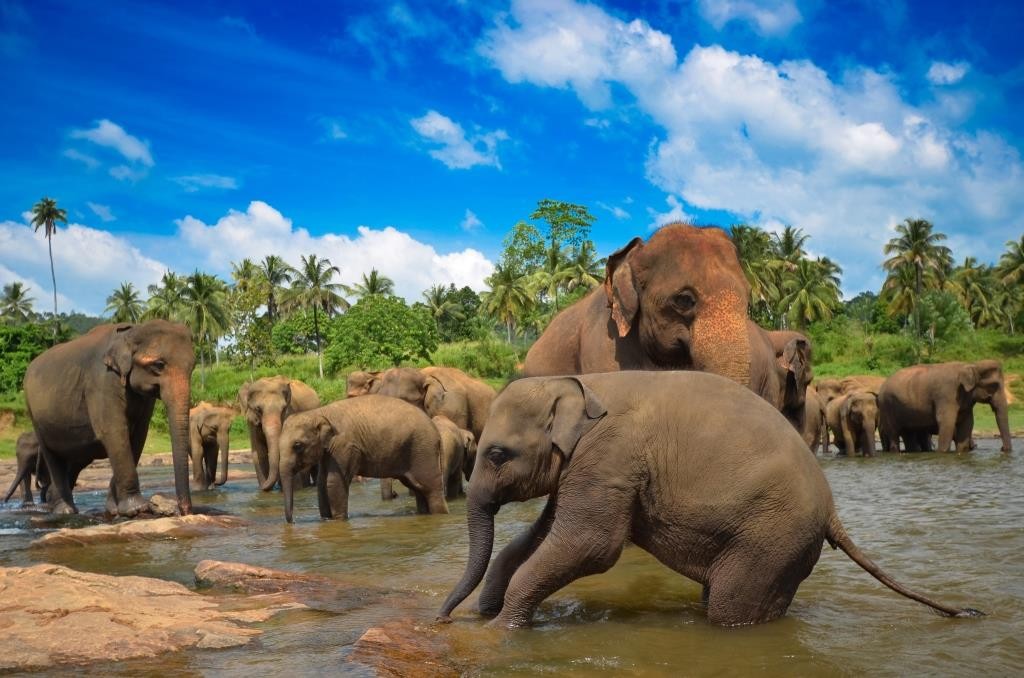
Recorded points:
313,591
133,530
50,614
406,647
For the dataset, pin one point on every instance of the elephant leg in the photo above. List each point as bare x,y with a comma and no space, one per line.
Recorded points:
504,566
962,436
429,492
332,488
210,452
387,489
947,418
59,477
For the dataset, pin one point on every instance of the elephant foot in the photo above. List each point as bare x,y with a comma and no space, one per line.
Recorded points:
130,506
62,508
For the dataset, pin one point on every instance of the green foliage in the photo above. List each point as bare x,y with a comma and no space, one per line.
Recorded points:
295,335
523,249
250,336
485,358
19,345
378,332
943,318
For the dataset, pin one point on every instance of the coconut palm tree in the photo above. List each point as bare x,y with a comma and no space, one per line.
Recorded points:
205,311
275,273
916,246
509,298
15,304
442,305
1011,264
553,275
789,245
374,283
124,304
46,214
898,293
312,289
760,267
810,293
166,299
585,269
246,274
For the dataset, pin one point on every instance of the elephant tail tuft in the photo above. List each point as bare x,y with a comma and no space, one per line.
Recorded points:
838,538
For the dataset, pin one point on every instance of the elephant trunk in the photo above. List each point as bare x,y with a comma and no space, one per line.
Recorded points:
1000,407
288,488
868,435
272,431
176,401
222,468
720,339
480,517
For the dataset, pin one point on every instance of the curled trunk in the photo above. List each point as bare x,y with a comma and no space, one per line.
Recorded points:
272,432
177,403
480,517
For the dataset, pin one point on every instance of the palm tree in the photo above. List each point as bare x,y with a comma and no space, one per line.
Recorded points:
553,275
205,311
312,289
811,293
898,293
166,300
275,273
45,213
916,246
1011,264
246,275
760,267
585,269
124,304
974,287
441,304
509,298
15,304
789,245
374,283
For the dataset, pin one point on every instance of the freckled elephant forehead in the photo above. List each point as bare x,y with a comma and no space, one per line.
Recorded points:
707,252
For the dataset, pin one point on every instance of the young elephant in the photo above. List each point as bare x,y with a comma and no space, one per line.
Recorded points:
814,427
29,464
266,404
209,432
458,452
373,436
656,458
858,419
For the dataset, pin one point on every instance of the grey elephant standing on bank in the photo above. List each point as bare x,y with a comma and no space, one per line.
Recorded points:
922,400
266,404
373,436
458,452
209,438
655,458
93,397
26,451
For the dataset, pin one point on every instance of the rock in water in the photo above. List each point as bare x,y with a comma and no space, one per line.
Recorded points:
158,528
50,614
405,648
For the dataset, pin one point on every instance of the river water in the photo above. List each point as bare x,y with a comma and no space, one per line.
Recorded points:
950,526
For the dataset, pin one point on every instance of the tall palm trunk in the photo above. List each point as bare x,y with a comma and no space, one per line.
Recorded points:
53,278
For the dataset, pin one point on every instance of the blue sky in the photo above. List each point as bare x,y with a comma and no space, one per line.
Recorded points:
410,136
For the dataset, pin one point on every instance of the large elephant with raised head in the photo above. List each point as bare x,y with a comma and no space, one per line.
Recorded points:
26,451
654,458
93,397
209,438
918,401
677,302
373,436
266,405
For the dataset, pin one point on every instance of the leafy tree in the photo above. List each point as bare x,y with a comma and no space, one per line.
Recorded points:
1011,263
166,299
205,311
916,247
380,331
374,283
755,251
274,273
522,249
789,245
124,304
295,334
247,275
568,223
586,271
443,306
976,288
250,331
312,289
46,214
810,293
509,298
19,345
16,305
945,320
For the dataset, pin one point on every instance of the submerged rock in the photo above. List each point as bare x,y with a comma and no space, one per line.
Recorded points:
406,648
50,614
157,528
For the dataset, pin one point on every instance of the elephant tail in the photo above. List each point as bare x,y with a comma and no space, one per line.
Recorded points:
23,471
838,538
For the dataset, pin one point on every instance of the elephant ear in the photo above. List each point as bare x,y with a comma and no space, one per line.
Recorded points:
243,396
620,288
796,361
118,357
968,377
286,391
433,394
575,410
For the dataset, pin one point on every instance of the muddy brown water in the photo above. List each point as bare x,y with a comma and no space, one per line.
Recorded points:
951,526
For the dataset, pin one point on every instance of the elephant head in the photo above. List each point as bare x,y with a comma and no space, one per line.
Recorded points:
829,389
860,409
468,461
530,437
796,373
156,359
983,382
303,440
404,383
265,404
684,296
361,383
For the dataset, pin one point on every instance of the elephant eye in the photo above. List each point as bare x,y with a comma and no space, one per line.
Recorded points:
498,455
297,446
684,301
157,366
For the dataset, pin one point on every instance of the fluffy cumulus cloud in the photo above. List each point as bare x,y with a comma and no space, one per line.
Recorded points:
844,157
262,230
112,135
942,73
767,17
454,148
89,264
197,182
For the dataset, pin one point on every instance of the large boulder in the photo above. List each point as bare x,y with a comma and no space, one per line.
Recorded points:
405,647
50,614
158,528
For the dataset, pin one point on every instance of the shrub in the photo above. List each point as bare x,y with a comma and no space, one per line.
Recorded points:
487,358
380,331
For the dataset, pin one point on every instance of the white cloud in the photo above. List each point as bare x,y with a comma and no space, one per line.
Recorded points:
102,211
112,135
773,142
42,297
616,211
675,213
89,263
767,17
470,222
458,151
942,73
195,182
598,123
78,156
126,173
262,230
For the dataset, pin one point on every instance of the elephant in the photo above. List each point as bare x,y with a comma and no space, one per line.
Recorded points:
814,431
373,436
458,453
829,389
677,302
29,464
655,458
361,383
266,404
93,397
858,419
918,401
209,432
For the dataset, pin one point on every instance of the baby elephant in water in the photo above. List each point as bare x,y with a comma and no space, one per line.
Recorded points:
692,467
372,436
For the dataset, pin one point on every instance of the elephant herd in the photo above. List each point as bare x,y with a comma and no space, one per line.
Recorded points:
652,411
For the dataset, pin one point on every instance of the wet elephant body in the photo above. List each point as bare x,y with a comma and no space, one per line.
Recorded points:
654,458
93,398
266,404
209,443
922,400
